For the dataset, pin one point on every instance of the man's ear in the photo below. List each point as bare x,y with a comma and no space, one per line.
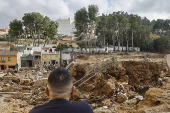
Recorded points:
47,91
72,90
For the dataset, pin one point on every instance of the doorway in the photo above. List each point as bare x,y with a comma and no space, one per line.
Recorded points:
30,64
2,67
53,62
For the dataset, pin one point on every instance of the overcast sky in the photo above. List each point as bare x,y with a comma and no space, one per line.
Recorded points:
15,9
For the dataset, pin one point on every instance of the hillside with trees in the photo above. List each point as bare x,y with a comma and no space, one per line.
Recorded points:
123,29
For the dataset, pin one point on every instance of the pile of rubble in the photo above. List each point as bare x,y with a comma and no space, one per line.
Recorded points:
27,85
14,106
105,87
157,100
116,86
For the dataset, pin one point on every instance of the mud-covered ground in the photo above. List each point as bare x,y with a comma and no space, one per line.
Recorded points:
108,82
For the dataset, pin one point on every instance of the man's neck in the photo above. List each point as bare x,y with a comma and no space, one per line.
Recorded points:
55,98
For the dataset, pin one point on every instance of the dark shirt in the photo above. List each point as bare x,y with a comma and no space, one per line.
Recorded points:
63,106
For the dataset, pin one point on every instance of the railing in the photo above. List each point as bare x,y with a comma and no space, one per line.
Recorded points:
2,61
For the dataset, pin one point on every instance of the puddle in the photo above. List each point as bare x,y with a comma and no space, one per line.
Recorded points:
142,91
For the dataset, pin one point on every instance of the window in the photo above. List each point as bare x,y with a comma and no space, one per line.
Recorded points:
9,58
3,58
45,56
56,56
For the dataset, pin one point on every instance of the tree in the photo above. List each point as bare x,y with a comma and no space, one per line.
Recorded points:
112,23
159,24
50,30
84,22
81,44
102,27
34,22
15,28
81,20
92,14
40,26
122,31
162,44
135,23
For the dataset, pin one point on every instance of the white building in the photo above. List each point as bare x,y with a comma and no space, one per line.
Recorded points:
66,27
66,57
4,32
30,50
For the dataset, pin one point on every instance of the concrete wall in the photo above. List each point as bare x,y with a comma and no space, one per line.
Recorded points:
66,57
37,49
19,54
100,49
27,52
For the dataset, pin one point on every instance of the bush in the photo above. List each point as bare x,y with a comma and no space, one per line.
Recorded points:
3,39
115,62
54,47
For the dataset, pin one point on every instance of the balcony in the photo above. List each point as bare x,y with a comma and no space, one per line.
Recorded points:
2,61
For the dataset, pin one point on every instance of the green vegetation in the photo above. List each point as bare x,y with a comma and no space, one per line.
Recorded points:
123,29
60,47
117,29
115,62
34,25
85,22
3,39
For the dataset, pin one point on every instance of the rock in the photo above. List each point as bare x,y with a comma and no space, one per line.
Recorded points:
136,72
18,95
86,95
123,78
102,110
36,91
41,99
25,81
13,78
89,87
121,98
130,103
156,100
15,105
139,97
40,83
7,99
167,80
109,87
93,105
107,102
162,74
8,89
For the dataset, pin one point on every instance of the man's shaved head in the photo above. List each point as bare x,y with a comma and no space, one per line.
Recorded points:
60,81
